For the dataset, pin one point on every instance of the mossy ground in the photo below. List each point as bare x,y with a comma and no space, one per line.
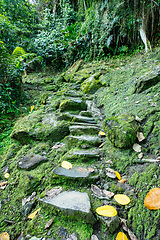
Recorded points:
116,97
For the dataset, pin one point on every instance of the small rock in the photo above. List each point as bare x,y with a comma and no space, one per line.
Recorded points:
72,237
112,223
94,237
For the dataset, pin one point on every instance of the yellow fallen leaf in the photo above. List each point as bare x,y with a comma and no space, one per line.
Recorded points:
6,175
32,107
121,236
102,133
106,210
66,165
122,199
4,236
122,180
118,175
44,101
32,215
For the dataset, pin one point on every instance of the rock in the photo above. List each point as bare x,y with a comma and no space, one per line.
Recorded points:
39,126
75,172
26,209
72,237
112,223
92,84
81,130
89,141
31,161
69,75
94,237
148,80
72,105
91,106
76,118
121,130
75,204
71,93
85,113
82,155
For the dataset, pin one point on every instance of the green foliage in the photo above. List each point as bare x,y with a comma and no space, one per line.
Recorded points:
10,82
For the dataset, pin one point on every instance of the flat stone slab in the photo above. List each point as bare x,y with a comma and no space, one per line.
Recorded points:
76,118
84,155
90,141
81,130
74,172
31,161
74,204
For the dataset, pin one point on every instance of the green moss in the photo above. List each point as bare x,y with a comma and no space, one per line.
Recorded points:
121,130
92,84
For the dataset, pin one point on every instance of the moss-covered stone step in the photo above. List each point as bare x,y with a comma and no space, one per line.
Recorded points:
83,141
39,126
82,155
31,161
72,105
92,84
73,203
76,172
83,129
76,118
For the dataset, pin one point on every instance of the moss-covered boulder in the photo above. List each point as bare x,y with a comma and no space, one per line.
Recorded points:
39,126
121,130
92,84
72,105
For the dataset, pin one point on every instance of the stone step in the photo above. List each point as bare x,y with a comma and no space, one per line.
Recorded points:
75,204
77,172
73,104
75,118
82,155
83,129
83,141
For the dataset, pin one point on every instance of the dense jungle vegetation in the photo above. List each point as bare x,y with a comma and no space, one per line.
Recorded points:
57,33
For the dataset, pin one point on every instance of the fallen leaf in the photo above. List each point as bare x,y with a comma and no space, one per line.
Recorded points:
108,193
30,198
138,119
96,190
66,165
101,145
32,215
91,169
6,175
107,211
125,228
140,136
122,199
3,185
122,180
4,236
140,155
32,107
53,192
152,199
102,133
137,102
118,175
110,173
49,223
121,236
137,147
